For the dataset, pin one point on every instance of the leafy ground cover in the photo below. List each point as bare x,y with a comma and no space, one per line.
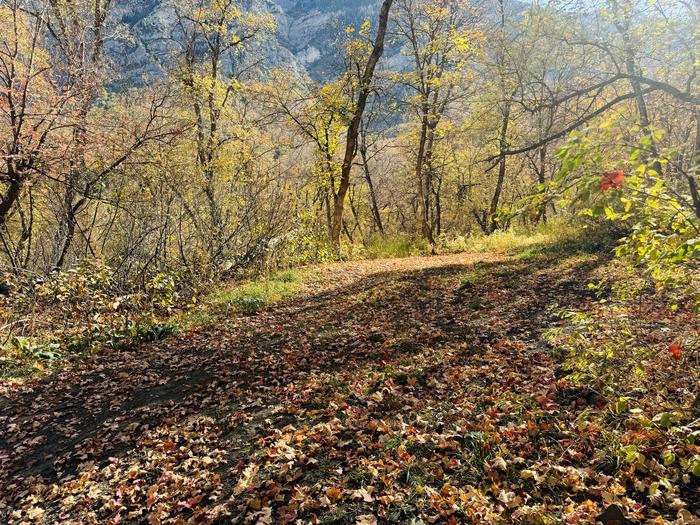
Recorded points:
78,315
417,390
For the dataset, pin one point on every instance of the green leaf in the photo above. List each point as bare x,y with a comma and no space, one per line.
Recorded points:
695,469
668,457
621,405
665,419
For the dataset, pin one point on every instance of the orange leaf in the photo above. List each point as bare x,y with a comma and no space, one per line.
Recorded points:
675,351
333,494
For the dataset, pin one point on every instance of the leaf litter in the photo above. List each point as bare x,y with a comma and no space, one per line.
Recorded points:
417,390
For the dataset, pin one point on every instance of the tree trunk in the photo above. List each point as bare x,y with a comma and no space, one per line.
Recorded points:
429,178
542,213
694,173
376,217
503,147
622,26
438,207
10,198
354,126
66,241
423,210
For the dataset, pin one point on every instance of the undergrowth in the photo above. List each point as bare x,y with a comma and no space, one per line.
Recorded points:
47,350
555,236
246,298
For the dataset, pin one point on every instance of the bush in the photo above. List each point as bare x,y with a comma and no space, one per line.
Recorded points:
629,193
305,244
78,310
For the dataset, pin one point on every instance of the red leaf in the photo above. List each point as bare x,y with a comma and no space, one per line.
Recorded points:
675,351
613,179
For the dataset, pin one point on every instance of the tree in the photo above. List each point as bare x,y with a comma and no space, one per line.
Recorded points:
33,108
439,37
317,113
364,89
210,36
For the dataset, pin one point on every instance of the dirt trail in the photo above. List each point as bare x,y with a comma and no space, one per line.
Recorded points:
375,392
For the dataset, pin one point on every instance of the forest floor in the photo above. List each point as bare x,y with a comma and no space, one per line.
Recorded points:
416,390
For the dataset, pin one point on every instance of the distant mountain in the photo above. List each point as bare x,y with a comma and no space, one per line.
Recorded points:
305,40
309,29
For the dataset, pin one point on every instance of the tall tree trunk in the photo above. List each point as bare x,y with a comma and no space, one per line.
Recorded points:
438,207
354,126
376,216
502,147
423,210
429,178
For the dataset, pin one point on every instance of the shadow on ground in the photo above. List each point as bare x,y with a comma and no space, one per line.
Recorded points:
268,370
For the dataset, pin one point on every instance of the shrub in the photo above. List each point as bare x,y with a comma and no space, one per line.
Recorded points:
629,194
599,349
78,310
249,305
305,244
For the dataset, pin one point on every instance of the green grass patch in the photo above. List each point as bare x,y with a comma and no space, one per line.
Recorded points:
247,298
385,247
554,238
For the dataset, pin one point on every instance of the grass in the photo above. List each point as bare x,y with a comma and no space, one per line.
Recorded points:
555,237
246,298
382,247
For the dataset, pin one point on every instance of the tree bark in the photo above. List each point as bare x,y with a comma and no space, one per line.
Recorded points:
429,179
542,213
694,173
8,200
423,210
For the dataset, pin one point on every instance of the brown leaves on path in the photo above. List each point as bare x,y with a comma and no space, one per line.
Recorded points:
395,391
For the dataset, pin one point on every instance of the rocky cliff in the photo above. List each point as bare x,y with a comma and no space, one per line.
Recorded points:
305,40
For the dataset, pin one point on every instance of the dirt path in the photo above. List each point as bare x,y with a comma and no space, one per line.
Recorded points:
397,390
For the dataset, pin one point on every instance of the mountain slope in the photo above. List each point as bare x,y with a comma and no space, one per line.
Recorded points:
305,39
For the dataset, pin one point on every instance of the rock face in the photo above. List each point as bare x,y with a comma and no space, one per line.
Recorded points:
312,28
305,40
